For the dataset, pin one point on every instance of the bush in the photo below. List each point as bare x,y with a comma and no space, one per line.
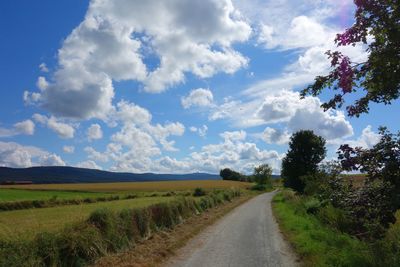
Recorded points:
198,192
312,205
260,187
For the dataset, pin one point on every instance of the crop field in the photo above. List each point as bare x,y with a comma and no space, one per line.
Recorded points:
27,222
135,186
21,194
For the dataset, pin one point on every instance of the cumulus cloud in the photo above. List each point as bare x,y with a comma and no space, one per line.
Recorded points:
115,38
367,139
275,136
198,98
18,156
42,83
94,132
51,160
26,127
63,130
43,67
233,152
69,149
201,131
88,164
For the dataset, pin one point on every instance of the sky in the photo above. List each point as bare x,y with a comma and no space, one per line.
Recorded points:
170,86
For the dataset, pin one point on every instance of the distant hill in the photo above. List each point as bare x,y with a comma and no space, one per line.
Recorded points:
55,175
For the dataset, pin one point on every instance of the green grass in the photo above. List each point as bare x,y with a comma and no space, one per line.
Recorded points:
26,223
317,244
7,195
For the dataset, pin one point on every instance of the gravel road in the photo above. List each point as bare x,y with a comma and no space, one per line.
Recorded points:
247,237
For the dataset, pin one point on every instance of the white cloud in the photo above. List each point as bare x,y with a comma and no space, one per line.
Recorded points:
51,160
88,164
303,32
95,155
115,38
367,139
69,149
201,131
94,132
62,129
198,98
43,67
26,127
233,152
18,156
275,136
131,113
42,83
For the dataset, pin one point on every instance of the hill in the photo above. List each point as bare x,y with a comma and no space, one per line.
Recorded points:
55,175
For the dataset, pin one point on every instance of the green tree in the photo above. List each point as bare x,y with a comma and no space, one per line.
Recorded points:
262,174
381,162
379,76
228,174
306,151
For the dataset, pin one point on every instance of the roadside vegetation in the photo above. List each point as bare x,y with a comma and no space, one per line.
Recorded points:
106,231
332,216
331,222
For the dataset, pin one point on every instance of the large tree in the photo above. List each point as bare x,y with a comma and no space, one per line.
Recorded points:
377,26
262,174
306,151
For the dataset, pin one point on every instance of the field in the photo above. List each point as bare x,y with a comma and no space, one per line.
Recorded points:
135,186
21,194
26,223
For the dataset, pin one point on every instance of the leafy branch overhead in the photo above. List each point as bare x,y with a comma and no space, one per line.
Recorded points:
377,25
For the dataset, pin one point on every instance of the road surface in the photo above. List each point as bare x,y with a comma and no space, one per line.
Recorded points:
247,237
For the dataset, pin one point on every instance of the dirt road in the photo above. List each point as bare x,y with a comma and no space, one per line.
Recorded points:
246,237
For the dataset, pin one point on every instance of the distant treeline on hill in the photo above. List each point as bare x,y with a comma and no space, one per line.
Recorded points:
51,175
228,174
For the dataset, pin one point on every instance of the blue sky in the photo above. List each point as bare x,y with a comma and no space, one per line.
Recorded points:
169,86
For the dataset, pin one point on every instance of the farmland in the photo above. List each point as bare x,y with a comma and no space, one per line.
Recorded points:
26,223
134,186
23,194
84,231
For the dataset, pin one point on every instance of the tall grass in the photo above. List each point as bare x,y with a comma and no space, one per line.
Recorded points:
105,231
319,242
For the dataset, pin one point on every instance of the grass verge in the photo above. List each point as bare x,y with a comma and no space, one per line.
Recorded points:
315,243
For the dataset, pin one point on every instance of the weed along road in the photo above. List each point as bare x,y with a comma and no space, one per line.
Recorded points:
246,237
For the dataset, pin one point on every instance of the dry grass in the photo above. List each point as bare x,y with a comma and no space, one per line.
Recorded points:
161,246
135,186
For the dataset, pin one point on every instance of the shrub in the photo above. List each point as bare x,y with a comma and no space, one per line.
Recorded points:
110,227
312,205
80,244
198,192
